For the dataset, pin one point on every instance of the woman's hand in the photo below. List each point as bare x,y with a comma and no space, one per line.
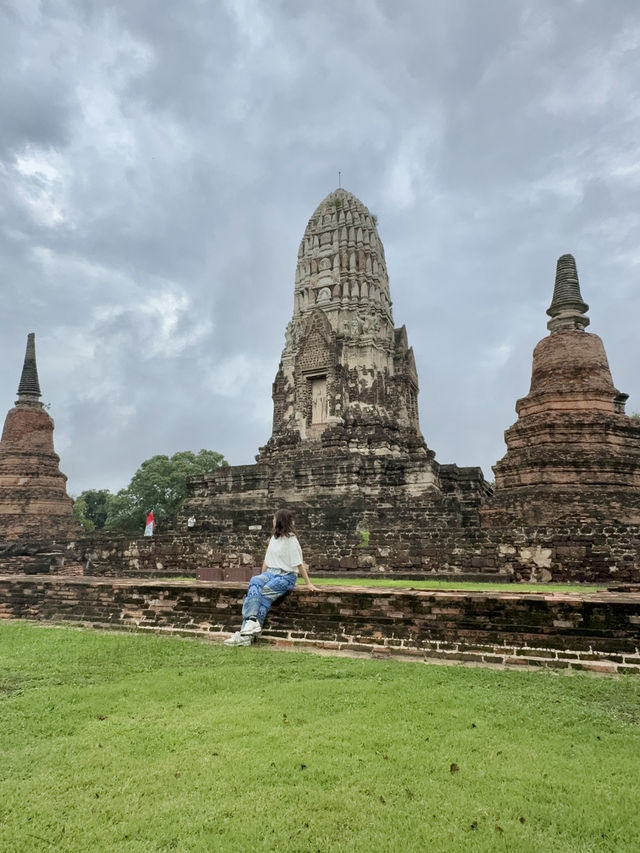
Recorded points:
304,571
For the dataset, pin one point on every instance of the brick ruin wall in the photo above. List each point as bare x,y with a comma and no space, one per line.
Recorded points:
599,632
586,553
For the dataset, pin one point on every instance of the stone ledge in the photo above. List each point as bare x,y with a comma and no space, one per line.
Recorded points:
602,596
479,628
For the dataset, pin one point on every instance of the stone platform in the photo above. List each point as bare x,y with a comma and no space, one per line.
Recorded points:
598,632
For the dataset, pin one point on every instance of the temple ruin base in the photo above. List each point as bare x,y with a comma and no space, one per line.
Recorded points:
587,552
599,633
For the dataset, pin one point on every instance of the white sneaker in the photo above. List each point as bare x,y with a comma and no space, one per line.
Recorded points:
237,640
251,628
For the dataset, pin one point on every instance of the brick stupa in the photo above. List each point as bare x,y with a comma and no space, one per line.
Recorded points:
573,453
33,499
346,446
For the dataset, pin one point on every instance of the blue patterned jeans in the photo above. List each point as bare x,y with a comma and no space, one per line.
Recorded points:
263,590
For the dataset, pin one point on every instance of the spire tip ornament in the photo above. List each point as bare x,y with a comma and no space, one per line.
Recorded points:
29,387
568,309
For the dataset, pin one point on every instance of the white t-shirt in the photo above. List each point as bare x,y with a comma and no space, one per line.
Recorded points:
284,553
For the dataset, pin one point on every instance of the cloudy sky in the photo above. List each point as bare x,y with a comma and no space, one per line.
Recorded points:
159,163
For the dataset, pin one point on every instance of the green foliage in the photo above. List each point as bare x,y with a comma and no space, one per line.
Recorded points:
635,416
135,743
160,483
91,508
80,514
364,539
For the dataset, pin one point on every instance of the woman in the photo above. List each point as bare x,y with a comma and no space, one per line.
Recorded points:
282,564
150,523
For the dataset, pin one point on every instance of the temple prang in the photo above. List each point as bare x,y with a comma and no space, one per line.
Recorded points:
346,449
33,499
343,361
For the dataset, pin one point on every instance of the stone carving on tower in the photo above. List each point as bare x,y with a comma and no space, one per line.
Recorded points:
33,499
347,376
573,453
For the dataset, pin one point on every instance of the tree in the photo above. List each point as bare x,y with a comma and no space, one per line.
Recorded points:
79,513
90,508
159,484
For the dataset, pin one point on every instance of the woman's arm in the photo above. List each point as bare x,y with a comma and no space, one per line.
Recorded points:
305,574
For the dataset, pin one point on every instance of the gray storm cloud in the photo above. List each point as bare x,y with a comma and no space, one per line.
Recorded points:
158,171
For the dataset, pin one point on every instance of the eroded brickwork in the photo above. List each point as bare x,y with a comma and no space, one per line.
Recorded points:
33,497
600,633
586,553
573,454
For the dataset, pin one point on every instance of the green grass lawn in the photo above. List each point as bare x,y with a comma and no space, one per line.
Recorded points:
391,583
124,742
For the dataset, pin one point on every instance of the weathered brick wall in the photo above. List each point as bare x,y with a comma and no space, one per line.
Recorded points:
586,553
599,632
33,497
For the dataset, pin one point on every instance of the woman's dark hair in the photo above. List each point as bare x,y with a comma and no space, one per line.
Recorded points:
283,524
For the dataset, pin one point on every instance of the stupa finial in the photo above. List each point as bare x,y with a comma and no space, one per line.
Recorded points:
567,309
29,388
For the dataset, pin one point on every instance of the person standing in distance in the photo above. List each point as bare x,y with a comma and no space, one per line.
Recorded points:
150,524
282,564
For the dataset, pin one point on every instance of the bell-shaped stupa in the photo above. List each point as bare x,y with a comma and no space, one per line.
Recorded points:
573,453
33,499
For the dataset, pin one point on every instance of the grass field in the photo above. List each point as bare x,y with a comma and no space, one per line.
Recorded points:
472,586
124,742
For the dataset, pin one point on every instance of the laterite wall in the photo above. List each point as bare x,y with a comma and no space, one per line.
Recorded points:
579,553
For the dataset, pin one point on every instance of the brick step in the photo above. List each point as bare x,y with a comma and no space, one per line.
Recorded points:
230,573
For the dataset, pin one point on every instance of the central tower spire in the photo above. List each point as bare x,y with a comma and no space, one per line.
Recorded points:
343,362
341,265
